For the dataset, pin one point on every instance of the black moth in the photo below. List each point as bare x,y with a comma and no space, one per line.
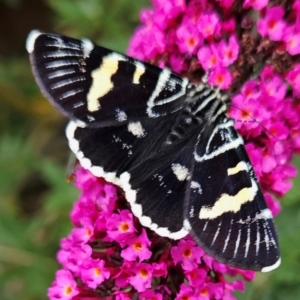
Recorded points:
167,142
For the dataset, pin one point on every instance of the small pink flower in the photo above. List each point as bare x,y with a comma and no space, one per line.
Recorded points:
84,234
272,25
209,57
277,130
273,87
196,276
93,272
228,52
64,287
251,90
120,226
209,24
189,39
138,247
187,254
142,278
220,77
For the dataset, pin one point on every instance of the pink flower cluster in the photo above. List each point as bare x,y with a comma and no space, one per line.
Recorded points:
251,49
109,255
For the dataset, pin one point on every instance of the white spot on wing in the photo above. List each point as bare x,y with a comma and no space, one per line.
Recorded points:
228,237
61,63
87,47
62,53
31,40
267,239
237,243
241,166
217,233
70,93
102,83
196,186
66,81
121,115
257,242
180,171
264,214
60,73
205,225
78,104
187,225
139,71
136,129
270,268
247,245
192,211
228,203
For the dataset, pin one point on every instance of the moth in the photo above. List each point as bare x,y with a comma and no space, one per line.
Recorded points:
166,142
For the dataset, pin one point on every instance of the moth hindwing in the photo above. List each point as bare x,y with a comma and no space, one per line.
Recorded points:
165,141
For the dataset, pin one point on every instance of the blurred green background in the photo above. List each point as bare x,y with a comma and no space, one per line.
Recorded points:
35,198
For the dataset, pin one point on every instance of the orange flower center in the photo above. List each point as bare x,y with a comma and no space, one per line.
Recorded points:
229,54
97,272
208,30
272,24
137,246
124,227
144,273
245,114
213,60
68,290
220,79
204,292
191,41
187,253
248,93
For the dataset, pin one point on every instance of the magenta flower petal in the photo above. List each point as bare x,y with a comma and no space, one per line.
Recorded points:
138,247
272,25
142,278
93,272
187,254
